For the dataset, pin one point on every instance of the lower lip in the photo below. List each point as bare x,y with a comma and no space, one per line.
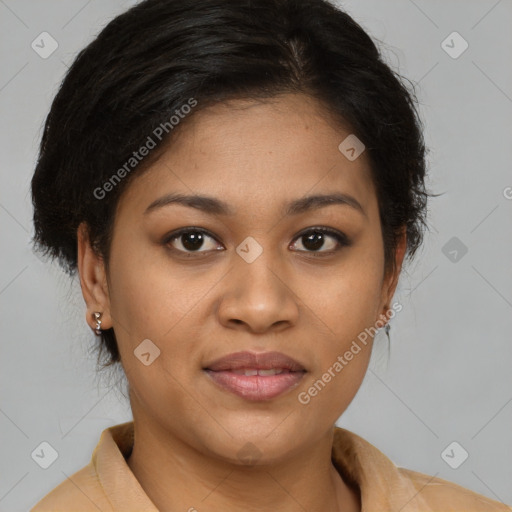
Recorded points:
256,387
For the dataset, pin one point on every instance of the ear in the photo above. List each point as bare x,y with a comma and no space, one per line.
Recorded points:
390,281
93,280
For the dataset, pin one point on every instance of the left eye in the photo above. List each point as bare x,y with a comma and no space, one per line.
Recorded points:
316,238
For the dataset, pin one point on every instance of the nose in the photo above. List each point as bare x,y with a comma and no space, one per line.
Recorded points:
258,297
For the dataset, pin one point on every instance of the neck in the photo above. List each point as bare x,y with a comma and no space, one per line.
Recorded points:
176,476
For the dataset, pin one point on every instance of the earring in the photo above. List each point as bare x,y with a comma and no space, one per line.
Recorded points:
97,319
387,328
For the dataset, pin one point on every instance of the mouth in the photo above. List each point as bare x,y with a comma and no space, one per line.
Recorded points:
255,376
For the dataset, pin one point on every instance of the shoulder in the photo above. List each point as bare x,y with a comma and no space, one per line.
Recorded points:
447,496
80,492
386,486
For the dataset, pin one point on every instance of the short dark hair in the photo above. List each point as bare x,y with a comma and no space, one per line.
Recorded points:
160,55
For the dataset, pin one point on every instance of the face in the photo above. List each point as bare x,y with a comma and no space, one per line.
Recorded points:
258,269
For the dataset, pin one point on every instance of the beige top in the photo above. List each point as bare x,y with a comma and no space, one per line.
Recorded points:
107,484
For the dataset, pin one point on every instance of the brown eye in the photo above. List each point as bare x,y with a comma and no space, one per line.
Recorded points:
315,239
190,240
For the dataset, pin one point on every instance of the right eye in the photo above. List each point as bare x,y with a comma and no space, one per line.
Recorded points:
190,240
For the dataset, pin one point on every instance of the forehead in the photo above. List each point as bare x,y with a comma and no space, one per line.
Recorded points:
257,153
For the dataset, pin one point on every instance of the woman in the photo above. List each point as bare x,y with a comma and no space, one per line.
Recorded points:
237,185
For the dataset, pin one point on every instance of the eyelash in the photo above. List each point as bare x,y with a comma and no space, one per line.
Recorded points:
340,237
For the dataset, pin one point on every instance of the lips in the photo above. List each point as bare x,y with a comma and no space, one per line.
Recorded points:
258,361
256,376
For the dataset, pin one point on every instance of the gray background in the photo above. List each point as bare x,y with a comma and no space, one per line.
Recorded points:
448,377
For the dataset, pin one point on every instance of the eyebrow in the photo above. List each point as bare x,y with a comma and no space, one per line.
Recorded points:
214,206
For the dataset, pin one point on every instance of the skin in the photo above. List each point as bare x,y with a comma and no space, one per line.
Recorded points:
257,157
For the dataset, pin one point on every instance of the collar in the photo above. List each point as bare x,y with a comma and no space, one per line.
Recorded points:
381,484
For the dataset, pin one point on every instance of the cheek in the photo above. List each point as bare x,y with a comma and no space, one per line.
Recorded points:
346,300
159,303
151,305
161,392
149,295
343,350
346,308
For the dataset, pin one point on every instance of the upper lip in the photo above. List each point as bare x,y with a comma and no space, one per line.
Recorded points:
258,361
